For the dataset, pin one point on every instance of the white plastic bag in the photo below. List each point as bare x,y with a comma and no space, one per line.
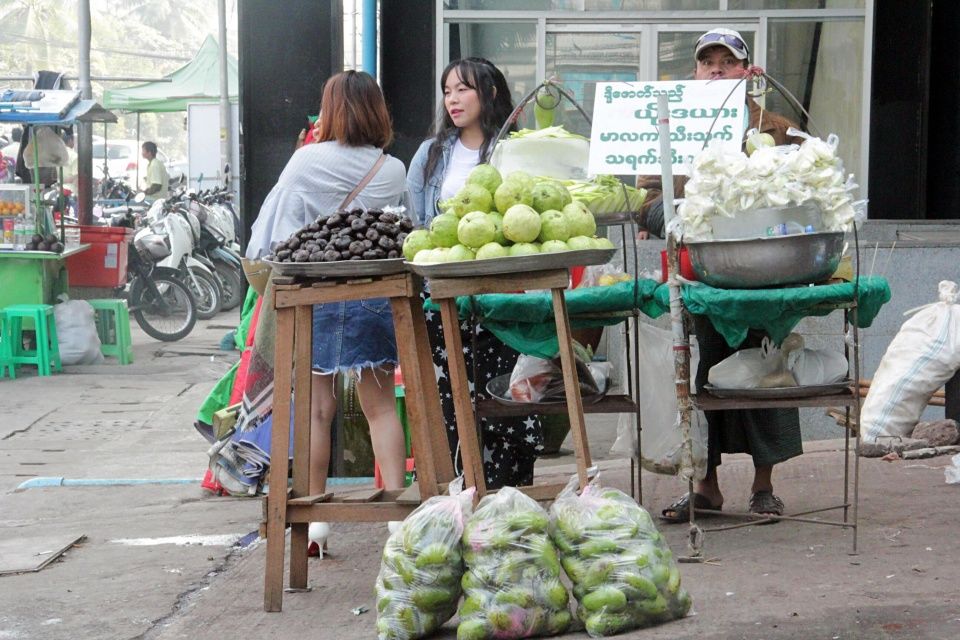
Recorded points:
662,442
817,366
952,472
535,379
77,333
418,587
923,355
51,150
748,368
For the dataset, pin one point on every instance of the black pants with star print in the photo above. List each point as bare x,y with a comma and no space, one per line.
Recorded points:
510,445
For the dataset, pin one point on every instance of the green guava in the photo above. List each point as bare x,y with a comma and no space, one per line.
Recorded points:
553,226
415,242
476,229
521,224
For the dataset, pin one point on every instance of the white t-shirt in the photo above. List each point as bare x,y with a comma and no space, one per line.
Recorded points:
462,162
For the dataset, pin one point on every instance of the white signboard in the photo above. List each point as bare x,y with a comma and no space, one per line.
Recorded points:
203,145
625,139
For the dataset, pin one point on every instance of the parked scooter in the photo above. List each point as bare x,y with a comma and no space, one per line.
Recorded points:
217,234
182,229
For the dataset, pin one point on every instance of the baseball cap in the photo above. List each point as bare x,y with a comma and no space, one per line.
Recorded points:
728,38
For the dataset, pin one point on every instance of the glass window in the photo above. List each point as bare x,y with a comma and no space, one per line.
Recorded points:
675,53
795,4
511,47
583,5
581,60
821,64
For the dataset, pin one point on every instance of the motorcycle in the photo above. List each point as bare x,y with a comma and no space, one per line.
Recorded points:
215,245
161,304
182,229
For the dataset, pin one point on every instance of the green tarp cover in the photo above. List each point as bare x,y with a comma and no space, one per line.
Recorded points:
525,321
198,81
777,311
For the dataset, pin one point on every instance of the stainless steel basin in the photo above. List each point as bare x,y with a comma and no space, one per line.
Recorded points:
767,262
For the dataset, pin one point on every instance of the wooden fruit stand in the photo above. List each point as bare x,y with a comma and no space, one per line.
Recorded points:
293,299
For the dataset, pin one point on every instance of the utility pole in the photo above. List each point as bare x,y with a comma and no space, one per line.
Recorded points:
84,130
225,115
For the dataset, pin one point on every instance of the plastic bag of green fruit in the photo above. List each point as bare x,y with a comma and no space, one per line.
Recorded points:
418,587
511,586
624,575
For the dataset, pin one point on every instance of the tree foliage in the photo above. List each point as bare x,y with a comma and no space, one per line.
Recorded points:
130,38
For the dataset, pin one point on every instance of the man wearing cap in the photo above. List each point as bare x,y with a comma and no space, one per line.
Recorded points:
771,436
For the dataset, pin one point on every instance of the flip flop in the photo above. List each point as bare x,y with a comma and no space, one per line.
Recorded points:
765,503
679,511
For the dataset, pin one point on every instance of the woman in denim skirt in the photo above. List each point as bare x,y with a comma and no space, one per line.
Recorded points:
476,103
348,337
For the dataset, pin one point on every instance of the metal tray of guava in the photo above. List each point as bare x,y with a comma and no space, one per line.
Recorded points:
340,269
512,264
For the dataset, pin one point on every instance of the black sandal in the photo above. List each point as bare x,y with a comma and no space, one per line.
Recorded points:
679,511
764,503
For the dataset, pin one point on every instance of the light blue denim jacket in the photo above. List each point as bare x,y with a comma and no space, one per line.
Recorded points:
425,194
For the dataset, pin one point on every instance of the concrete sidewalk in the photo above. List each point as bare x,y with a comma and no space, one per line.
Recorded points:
159,560
783,581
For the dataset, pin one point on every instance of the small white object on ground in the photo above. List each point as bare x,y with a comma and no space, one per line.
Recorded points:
952,472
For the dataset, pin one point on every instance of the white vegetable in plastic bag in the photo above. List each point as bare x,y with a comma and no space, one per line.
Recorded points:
512,584
624,575
662,447
923,355
77,333
419,582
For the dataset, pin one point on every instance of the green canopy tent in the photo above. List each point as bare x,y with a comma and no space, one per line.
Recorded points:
197,81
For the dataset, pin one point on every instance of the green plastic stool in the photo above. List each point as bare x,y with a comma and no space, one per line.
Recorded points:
113,327
47,349
6,349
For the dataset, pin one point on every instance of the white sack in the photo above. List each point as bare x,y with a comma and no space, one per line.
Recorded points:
77,333
923,355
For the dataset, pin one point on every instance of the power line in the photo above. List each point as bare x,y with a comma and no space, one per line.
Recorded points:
67,45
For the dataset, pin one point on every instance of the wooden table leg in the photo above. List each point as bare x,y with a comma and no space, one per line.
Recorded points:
424,415
303,359
470,451
571,384
279,446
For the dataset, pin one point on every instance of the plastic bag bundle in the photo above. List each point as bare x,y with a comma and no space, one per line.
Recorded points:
536,379
419,582
77,336
512,583
624,576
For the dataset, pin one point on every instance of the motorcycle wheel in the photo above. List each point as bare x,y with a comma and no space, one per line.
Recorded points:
206,291
167,314
234,289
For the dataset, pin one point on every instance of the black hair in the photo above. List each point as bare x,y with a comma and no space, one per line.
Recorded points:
150,147
495,107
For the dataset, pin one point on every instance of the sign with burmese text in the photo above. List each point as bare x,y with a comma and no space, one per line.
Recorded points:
625,139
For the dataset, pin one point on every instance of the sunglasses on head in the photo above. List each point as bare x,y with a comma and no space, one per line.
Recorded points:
723,38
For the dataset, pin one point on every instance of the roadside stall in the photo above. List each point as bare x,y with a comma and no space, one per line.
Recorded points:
34,250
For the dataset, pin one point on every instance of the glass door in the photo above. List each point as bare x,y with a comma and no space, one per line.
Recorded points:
582,55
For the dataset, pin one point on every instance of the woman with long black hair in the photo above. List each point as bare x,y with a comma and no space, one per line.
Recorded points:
476,103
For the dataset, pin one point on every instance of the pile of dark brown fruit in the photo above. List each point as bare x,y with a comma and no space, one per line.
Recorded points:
48,242
347,235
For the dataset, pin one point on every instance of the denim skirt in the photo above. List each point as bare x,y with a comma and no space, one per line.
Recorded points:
354,335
